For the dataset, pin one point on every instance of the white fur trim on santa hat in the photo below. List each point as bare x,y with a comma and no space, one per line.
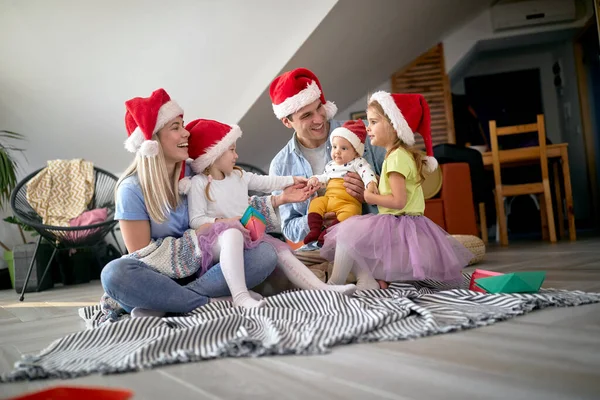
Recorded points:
210,156
330,109
395,115
167,112
431,164
185,184
297,101
148,149
349,136
135,140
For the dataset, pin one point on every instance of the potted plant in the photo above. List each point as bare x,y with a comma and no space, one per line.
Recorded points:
8,180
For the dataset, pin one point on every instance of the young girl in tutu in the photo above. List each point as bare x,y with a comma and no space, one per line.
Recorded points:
399,243
217,199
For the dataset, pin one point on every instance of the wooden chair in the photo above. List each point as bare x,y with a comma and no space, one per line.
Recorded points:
542,189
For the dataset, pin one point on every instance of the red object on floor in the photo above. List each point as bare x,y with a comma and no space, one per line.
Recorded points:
481,273
77,392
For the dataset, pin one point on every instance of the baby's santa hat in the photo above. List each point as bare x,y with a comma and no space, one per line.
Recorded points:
296,89
409,113
144,117
353,131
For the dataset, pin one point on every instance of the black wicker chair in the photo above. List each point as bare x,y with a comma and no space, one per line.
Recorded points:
61,237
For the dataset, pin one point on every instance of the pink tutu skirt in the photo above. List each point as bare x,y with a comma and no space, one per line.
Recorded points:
208,239
398,248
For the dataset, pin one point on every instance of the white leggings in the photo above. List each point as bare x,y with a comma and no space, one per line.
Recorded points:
229,251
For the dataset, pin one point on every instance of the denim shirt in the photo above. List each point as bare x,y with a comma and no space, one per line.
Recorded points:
291,161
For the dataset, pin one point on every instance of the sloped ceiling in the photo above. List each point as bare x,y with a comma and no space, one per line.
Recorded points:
353,50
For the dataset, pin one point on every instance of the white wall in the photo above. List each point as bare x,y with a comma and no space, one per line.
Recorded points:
68,66
572,129
361,103
459,43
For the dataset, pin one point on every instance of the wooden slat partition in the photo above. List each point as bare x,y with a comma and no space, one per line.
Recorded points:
427,75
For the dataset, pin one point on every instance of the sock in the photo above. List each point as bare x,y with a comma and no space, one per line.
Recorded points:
255,296
303,277
343,264
231,244
315,223
364,279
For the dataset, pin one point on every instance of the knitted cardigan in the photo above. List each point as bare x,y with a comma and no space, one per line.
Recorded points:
179,258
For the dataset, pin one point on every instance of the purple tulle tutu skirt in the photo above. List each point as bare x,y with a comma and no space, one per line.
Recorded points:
398,248
208,238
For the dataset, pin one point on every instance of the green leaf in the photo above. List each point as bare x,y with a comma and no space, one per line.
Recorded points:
8,165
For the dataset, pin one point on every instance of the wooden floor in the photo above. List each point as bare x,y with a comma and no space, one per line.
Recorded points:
548,354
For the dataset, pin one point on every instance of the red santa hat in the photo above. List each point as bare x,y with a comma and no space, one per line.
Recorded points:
296,89
353,131
409,113
144,117
208,141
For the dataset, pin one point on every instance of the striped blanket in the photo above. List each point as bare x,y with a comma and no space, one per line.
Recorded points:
296,322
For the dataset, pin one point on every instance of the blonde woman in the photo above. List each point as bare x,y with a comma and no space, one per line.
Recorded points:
150,210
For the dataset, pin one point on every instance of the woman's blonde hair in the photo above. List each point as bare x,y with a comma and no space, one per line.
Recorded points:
160,190
418,155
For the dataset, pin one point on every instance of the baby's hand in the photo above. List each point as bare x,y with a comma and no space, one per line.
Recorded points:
313,183
299,180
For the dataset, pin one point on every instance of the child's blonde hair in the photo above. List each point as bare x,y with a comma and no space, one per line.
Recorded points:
160,191
207,173
417,155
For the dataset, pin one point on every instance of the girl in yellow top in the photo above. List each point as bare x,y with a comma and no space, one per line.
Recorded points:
399,243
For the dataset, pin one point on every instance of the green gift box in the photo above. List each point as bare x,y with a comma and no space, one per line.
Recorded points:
516,282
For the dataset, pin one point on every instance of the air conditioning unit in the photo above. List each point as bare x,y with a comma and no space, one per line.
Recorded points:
512,14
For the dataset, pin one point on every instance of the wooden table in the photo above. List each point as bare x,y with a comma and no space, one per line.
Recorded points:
527,155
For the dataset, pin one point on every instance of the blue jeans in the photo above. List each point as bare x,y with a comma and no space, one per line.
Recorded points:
133,284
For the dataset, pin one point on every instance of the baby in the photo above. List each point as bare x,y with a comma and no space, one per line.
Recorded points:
347,148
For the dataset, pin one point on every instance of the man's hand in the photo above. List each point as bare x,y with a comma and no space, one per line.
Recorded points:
354,186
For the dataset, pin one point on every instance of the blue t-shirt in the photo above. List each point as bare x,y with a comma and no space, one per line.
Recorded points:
130,205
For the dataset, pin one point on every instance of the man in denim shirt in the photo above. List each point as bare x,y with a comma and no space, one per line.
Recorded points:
298,101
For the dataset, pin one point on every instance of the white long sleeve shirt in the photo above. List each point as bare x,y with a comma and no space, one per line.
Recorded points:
358,165
229,196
